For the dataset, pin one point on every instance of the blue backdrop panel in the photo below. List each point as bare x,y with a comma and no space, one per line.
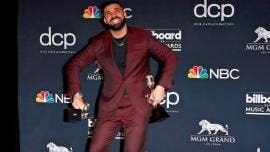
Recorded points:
221,95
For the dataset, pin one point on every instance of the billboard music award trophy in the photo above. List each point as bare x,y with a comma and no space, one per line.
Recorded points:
76,115
158,113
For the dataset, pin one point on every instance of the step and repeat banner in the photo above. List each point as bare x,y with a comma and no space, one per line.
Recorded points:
220,101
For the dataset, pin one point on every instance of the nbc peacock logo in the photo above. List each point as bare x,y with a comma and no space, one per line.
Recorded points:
44,96
47,97
92,12
197,72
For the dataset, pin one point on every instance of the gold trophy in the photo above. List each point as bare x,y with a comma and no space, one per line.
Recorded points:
158,112
85,111
76,115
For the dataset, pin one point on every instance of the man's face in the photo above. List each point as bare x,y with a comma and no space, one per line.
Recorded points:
114,16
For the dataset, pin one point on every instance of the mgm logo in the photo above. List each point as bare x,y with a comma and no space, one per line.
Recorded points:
262,43
212,134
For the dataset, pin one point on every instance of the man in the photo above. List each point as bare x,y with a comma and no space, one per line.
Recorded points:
123,52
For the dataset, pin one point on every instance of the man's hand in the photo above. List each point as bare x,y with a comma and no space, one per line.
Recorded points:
157,95
77,101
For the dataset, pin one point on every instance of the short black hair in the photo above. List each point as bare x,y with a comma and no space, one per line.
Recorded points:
105,4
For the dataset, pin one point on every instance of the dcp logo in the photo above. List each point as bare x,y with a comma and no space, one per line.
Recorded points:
128,11
214,10
172,98
57,39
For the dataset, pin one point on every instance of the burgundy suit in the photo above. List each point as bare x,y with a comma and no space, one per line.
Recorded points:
140,47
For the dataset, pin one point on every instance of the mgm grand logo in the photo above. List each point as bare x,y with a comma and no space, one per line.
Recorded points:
212,134
97,74
262,42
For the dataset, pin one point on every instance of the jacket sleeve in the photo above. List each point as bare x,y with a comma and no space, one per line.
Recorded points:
77,64
168,58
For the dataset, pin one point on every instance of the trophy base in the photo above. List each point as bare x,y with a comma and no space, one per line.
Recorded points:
72,115
158,114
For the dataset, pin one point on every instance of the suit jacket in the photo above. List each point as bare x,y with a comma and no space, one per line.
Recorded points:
141,45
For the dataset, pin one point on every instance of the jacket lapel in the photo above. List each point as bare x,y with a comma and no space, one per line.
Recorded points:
108,42
128,57
109,51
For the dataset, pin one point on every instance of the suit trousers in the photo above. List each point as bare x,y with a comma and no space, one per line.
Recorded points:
134,126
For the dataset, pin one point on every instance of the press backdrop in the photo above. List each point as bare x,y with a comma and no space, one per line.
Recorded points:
220,101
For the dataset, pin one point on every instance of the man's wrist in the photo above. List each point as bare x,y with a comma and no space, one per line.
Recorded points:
160,87
78,94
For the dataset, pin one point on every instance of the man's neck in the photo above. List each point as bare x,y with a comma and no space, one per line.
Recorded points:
119,33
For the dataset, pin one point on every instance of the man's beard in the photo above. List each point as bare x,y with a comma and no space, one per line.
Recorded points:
118,26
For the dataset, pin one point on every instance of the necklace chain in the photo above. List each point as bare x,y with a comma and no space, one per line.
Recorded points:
120,44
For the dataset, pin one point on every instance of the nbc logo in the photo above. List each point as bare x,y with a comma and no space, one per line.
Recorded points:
47,97
198,72
44,96
92,12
